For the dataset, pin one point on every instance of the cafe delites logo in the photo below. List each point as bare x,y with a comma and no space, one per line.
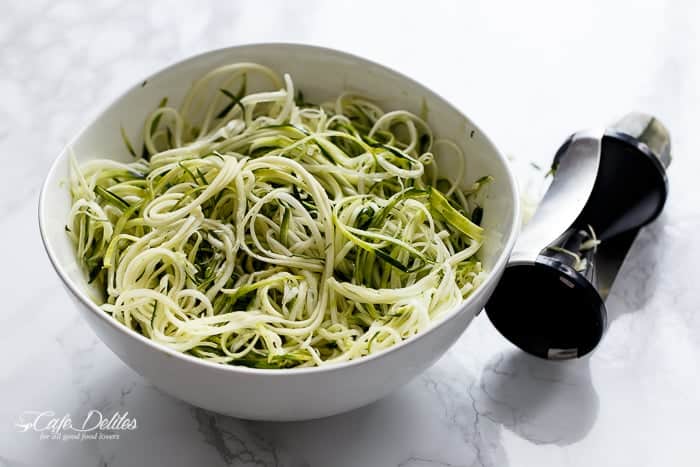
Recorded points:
94,426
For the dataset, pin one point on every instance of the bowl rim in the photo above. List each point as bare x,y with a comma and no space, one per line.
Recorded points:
192,360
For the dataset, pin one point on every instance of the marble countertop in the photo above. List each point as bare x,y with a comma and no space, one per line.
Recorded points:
530,73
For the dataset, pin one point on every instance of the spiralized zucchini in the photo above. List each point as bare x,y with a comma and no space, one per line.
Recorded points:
258,229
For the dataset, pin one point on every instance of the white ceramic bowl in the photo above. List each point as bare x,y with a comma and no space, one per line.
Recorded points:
292,394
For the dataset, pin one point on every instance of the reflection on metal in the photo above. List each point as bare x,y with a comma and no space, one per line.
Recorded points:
575,168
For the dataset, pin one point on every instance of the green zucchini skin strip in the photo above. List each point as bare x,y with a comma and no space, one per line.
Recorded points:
460,222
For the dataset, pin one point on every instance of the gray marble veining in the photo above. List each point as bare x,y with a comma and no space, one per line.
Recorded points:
530,73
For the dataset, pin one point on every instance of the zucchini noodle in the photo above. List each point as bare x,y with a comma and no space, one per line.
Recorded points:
258,229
